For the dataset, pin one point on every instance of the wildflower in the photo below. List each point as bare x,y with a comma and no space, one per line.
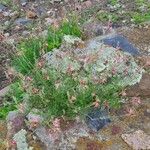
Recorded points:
57,84
83,82
56,125
35,90
93,94
13,144
106,104
96,104
41,63
72,99
114,71
130,112
35,122
136,101
29,78
70,69
123,93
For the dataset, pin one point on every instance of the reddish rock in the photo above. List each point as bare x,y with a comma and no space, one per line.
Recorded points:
115,129
141,89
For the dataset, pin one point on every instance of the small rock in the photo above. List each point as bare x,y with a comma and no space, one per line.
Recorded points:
137,140
23,21
31,15
96,119
6,23
23,2
6,34
25,33
115,129
2,7
15,121
147,113
6,13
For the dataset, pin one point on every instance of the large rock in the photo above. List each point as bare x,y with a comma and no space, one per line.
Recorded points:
137,140
142,88
23,21
94,61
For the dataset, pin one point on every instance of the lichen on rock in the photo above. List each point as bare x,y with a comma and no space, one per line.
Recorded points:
20,139
96,60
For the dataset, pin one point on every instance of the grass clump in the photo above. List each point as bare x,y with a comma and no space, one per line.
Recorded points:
140,17
57,94
12,99
31,49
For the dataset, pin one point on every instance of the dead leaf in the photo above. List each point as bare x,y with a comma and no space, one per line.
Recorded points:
31,15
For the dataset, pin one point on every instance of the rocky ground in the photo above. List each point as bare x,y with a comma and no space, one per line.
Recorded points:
21,18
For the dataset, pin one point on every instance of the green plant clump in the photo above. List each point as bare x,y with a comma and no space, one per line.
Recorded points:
12,100
57,94
33,48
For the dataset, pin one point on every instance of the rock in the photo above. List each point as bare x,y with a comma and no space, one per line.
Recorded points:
122,43
137,140
145,61
115,129
25,33
142,88
2,7
33,116
65,139
87,144
23,21
96,119
44,137
15,122
31,14
4,91
20,139
147,113
94,57
41,12
23,2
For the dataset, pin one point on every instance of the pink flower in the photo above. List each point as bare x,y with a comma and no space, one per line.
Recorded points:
70,69
96,104
136,101
114,71
123,93
56,123
35,90
130,112
13,142
29,78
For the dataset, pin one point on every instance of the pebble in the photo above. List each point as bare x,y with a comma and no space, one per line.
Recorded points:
23,21
2,7
23,2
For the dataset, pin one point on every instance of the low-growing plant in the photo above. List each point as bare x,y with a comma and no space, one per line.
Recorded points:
106,16
57,94
12,99
33,48
139,17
